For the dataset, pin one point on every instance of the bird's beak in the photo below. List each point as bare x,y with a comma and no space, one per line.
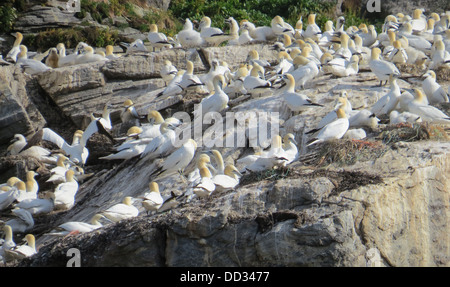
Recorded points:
13,140
294,141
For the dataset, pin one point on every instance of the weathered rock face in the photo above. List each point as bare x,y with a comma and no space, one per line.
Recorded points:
18,114
388,211
40,17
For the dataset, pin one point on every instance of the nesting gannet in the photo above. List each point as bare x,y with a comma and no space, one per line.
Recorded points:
362,118
233,32
161,145
88,56
398,55
253,58
434,92
121,211
110,52
388,102
296,102
74,227
30,66
426,112
15,50
267,159
236,86
177,161
157,39
168,72
131,147
415,41
188,37
59,171
419,22
280,27
255,84
441,57
8,197
218,101
415,57
129,114
306,71
211,35
219,167
23,251
23,221
216,69
342,68
52,59
327,35
205,186
260,33
65,192
173,87
38,206
312,30
284,65
333,130
152,130
202,161
228,180
135,46
69,60
189,79
290,148
152,200
344,51
8,243
18,142
405,117
381,68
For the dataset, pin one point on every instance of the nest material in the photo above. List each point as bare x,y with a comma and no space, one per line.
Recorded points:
408,132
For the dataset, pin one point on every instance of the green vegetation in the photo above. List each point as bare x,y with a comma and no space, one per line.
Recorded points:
8,15
71,37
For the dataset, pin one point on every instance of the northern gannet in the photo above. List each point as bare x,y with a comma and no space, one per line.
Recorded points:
388,102
255,84
23,251
161,145
405,117
342,68
398,55
177,161
296,102
189,80
205,186
121,211
211,35
52,59
434,92
69,60
130,148
188,37
88,56
129,114
381,68
218,101
30,66
75,227
260,33
135,46
110,53
333,130
312,30
228,180
23,221
15,50
290,148
173,87
38,206
305,71
65,192
426,112
279,27
441,57
157,39
168,72
18,142
59,171
8,243
152,200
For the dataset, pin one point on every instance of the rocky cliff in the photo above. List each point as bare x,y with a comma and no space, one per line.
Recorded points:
388,206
